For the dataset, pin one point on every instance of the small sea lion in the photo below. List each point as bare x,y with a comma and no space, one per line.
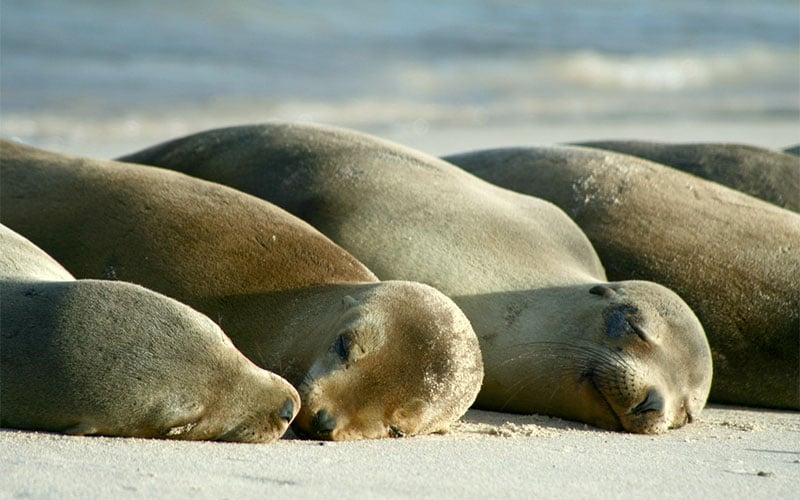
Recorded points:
113,358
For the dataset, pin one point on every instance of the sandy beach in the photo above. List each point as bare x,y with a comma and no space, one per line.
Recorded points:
104,79
728,453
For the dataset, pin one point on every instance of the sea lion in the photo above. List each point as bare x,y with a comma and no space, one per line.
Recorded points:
113,358
772,176
370,359
733,258
556,337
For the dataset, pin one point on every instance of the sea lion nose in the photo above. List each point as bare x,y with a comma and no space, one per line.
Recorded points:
653,402
323,423
287,412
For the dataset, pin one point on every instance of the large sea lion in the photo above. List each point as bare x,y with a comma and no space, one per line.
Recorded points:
370,359
733,258
113,358
773,176
555,336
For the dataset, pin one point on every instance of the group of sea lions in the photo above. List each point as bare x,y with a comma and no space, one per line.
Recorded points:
392,290
369,358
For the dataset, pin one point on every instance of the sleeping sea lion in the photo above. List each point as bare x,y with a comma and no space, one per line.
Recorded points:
733,258
113,358
556,337
370,359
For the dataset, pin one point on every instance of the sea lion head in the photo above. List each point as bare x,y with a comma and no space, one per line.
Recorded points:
252,405
629,356
209,390
263,412
96,357
650,369
401,359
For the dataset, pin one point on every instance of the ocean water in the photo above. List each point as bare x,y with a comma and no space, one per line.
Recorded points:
130,69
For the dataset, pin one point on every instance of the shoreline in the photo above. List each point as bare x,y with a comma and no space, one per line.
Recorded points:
123,135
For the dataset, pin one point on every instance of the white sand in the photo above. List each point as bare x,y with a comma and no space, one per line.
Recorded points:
728,453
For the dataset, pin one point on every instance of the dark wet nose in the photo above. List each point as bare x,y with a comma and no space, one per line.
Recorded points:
653,402
287,412
323,423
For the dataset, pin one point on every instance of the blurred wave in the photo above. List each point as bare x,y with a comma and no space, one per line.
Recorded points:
130,67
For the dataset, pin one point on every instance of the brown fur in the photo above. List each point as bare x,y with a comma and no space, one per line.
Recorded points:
772,176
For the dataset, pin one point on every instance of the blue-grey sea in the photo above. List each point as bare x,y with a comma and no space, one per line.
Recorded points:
168,64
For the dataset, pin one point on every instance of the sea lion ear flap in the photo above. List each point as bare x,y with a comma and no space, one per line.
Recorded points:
348,302
603,291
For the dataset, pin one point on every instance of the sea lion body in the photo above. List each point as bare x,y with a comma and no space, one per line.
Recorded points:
286,295
769,175
519,268
112,358
733,258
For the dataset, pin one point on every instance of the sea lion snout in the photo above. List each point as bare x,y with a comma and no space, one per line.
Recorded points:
287,412
654,401
323,424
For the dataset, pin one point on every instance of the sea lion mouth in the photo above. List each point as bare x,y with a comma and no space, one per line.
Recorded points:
323,424
647,417
313,434
653,402
590,378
